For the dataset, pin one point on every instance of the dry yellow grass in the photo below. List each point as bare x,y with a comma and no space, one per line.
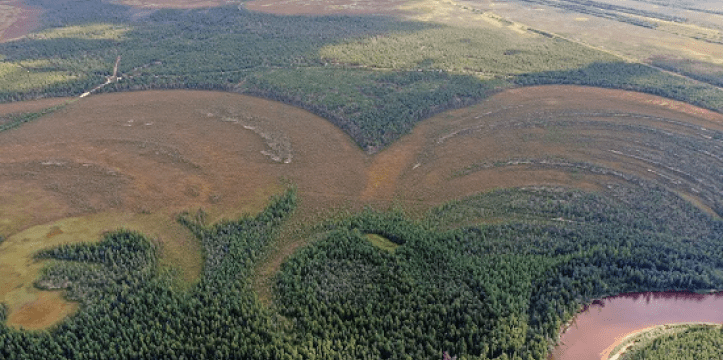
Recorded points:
90,32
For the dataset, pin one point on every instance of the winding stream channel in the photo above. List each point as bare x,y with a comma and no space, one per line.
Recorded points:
597,330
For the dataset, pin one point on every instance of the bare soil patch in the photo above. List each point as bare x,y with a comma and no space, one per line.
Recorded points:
137,159
17,19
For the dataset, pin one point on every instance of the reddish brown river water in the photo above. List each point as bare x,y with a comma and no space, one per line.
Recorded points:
596,329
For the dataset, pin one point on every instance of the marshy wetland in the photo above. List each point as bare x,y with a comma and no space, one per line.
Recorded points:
366,183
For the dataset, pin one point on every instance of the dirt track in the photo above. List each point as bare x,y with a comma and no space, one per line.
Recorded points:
137,159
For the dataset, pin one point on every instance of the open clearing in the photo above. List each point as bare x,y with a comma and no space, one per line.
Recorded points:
137,159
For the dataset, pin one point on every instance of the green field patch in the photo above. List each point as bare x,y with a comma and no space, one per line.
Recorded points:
483,52
382,242
16,78
18,270
88,32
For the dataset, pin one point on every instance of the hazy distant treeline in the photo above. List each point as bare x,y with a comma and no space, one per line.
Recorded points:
374,77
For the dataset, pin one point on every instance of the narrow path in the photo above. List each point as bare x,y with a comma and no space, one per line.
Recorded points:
115,67
109,80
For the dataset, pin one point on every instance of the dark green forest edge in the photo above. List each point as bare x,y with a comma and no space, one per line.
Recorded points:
323,64
11,121
484,291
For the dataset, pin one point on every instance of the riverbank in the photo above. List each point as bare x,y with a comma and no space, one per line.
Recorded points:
599,330
640,339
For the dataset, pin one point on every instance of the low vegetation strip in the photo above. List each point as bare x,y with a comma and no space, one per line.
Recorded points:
624,14
636,77
699,70
10,121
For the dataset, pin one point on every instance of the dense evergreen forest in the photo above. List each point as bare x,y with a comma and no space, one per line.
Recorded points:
366,74
495,291
131,309
452,284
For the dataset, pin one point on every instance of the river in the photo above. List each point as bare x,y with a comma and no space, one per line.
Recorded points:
595,331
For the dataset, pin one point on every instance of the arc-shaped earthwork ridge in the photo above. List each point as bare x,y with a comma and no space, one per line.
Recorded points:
136,159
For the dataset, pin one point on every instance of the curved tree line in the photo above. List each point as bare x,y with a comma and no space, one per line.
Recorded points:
494,291
324,64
